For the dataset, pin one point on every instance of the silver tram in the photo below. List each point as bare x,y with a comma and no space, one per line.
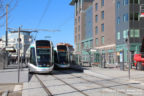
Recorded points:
40,57
63,55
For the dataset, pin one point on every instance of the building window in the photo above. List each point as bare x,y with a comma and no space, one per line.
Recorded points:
79,19
125,34
118,20
118,4
96,41
75,21
136,17
102,3
75,30
135,1
124,18
96,6
118,36
79,36
96,18
131,33
137,33
79,28
131,1
125,2
102,27
131,16
102,14
102,39
127,17
96,30
91,43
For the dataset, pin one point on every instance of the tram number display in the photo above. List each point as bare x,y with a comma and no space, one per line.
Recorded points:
61,50
43,46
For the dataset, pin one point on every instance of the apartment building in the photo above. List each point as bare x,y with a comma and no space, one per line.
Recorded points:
128,24
104,30
93,22
102,26
83,30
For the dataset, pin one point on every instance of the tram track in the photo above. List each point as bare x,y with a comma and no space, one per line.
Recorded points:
117,82
71,86
43,86
103,86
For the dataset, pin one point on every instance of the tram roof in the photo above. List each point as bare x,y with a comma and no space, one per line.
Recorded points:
66,44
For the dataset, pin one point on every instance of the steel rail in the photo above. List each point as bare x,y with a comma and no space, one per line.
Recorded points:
116,82
71,86
43,86
100,84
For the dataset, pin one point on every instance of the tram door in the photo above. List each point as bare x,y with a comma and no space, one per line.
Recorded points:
32,56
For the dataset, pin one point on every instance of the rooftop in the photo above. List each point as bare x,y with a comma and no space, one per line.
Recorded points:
73,2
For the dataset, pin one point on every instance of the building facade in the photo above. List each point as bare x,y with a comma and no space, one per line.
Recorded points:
103,26
104,30
13,43
128,25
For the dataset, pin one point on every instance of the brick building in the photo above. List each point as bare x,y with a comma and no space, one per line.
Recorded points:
102,26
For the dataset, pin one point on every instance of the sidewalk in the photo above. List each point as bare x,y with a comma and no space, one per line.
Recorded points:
9,81
12,89
136,76
11,76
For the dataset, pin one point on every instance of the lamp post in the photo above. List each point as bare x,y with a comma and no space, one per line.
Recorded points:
129,53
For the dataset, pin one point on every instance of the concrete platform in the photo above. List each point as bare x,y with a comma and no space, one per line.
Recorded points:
11,76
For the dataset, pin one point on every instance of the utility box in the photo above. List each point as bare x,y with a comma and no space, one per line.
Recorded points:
3,60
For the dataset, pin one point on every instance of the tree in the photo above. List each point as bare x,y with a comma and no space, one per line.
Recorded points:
11,4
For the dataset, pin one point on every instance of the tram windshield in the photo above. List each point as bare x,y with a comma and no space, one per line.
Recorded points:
43,56
62,57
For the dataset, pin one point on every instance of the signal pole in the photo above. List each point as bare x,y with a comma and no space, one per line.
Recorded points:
6,43
19,54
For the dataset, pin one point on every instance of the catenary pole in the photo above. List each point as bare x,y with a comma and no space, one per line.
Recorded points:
6,43
18,54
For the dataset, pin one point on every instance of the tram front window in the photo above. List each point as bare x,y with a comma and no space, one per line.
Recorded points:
62,57
43,57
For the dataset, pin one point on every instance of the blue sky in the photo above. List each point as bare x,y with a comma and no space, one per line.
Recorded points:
59,15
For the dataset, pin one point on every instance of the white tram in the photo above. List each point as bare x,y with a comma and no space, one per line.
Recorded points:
40,57
63,55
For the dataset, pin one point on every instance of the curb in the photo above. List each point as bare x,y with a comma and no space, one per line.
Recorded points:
5,93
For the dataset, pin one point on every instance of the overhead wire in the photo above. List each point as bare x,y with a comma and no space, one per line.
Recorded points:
42,16
44,13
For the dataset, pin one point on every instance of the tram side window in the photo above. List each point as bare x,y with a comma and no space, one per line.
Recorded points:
32,56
